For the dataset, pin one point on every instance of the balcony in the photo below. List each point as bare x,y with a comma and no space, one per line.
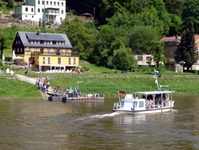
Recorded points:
55,53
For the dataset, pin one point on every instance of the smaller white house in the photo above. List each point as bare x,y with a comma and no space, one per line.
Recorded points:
45,11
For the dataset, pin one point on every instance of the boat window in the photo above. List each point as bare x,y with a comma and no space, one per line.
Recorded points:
135,104
122,103
141,104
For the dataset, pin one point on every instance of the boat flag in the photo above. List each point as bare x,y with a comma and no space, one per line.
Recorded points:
121,93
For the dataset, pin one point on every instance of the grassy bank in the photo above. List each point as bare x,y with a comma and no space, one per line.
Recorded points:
14,89
112,85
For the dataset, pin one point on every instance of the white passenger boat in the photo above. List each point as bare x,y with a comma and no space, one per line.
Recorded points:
145,102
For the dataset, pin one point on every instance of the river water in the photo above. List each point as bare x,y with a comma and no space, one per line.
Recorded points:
46,125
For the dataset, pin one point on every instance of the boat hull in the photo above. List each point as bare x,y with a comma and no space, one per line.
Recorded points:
74,99
156,110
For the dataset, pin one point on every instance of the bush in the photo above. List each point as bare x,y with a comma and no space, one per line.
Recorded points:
84,68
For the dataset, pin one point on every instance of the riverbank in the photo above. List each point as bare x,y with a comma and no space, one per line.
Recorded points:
16,89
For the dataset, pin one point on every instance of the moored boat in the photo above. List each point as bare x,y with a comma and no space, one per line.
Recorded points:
72,98
145,102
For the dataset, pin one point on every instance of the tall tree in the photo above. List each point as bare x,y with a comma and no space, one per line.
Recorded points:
186,50
2,45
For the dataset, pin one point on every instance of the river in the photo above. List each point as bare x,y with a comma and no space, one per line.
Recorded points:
46,125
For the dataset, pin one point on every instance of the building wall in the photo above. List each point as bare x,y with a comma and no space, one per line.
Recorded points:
42,59
34,10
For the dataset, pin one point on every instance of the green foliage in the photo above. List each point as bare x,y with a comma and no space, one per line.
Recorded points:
85,68
10,4
82,36
2,45
174,6
142,38
122,59
190,14
1,64
176,25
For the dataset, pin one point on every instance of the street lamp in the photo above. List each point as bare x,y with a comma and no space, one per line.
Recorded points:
78,83
182,62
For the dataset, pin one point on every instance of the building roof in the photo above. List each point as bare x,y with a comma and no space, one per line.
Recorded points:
174,38
169,38
25,36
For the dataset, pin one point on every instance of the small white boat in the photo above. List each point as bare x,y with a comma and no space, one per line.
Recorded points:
145,102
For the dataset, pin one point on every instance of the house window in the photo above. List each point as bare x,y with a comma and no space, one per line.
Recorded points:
38,2
42,10
139,58
59,60
43,60
32,9
69,61
58,3
42,2
48,60
148,59
21,50
54,42
74,61
38,9
26,9
62,12
46,2
55,3
62,4
50,2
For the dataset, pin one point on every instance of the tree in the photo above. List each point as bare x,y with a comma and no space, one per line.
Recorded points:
82,36
122,58
2,45
190,14
10,4
142,38
157,51
174,6
186,50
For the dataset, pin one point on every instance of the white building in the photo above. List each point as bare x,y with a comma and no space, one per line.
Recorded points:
45,11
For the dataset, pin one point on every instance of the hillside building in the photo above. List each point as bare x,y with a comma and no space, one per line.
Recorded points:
44,11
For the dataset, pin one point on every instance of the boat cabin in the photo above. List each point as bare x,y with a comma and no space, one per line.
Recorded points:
146,100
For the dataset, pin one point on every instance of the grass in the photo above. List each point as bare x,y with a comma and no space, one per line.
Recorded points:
99,80
13,89
112,85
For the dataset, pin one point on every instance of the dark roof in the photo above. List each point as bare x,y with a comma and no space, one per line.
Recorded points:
25,36
44,36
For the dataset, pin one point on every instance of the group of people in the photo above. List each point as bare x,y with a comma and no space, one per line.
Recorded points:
69,92
43,85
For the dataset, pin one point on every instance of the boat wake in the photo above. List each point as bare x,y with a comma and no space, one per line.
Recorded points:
98,116
105,115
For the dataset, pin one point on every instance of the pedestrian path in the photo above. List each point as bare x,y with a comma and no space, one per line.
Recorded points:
33,81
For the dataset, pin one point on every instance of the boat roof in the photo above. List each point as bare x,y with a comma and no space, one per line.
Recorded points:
154,92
